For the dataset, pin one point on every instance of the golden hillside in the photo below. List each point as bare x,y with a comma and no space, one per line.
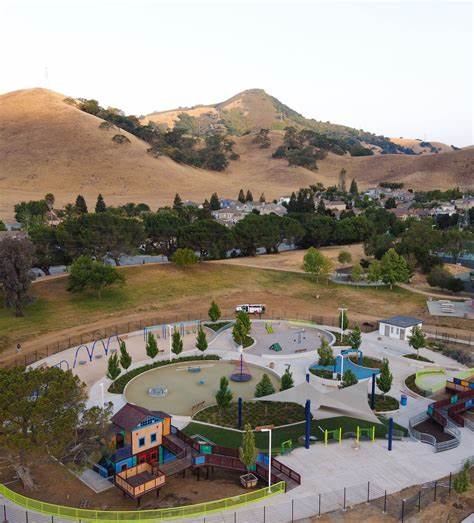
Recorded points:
47,145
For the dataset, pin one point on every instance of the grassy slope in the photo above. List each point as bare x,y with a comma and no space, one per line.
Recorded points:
165,290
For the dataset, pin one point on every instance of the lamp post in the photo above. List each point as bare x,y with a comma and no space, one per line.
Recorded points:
101,385
342,310
170,337
266,429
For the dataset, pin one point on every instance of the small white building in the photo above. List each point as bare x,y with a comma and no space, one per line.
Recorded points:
399,327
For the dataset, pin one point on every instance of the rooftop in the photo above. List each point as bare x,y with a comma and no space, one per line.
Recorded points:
402,321
129,416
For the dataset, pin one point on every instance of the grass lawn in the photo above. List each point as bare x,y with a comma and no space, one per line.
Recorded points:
367,361
254,412
322,373
217,326
384,403
417,358
164,291
231,438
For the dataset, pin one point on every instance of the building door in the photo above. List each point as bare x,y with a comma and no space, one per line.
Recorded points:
387,330
402,334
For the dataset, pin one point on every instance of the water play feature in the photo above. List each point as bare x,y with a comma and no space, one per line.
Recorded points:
186,390
344,363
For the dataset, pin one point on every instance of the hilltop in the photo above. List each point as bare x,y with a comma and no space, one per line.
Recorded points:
48,145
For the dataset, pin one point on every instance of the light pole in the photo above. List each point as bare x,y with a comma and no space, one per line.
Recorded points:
342,311
265,429
101,385
169,328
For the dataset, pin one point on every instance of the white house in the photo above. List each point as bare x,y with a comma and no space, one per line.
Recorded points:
398,327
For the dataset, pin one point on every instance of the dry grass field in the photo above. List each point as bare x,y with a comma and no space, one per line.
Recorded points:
47,145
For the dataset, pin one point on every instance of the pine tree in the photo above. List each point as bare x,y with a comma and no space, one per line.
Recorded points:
81,205
287,380
113,367
224,394
151,346
249,196
100,205
177,203
244,319
342,180
325,353
384,381
264,387
214,311
355,337
50,199
214,202
248,452
241,196
238,333
125,358
262,198
354,190
201,340
462,480
393,268
177,343
321,208
348,379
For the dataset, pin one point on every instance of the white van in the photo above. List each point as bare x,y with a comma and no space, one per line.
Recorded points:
251,308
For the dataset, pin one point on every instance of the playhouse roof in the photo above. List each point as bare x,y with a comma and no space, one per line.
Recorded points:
402,321
129,416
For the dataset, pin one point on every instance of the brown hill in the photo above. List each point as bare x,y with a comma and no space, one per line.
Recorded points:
48,145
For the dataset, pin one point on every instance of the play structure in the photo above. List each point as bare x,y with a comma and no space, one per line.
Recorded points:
157,392
335,435
431,380
462,382
275,347
269,328
343,363
286,447
105,343
241,372
361,433
451,409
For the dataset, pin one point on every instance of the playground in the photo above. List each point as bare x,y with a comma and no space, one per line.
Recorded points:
191,386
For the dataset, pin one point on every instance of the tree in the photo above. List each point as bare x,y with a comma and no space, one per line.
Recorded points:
29,213
151,347
208,237
16,261
375,272
241,196
214,311
287,380
355,337
214,202
456,242
417,339
344,257
49,199
325,353
393,268
125,358
238,333
177,203
390,203
224,394
354,190
3,227
264,387
81,205
161,231
262,198
100,204
47,250
86,273
201,340
176,343
184,258
384,381
348,379
113,367
316,264
43,414
357,272
244,319
342,180
462,480
249,196
248,452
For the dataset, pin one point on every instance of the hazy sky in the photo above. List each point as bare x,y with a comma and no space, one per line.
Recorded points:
394,68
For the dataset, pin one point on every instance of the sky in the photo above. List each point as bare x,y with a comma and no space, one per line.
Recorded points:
394,68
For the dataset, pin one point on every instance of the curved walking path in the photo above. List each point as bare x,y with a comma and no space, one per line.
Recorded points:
324,469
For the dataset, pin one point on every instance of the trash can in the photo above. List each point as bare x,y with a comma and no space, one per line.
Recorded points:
403,400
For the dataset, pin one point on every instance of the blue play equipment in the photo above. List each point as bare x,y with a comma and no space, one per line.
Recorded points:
60,364
344,363
90,352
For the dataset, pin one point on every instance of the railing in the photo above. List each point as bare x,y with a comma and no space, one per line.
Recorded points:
188,511
439,446
416,434
286,471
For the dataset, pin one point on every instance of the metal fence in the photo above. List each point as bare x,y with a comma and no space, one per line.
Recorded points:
42,351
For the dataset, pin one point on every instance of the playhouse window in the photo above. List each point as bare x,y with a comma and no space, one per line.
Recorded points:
141,442
153,438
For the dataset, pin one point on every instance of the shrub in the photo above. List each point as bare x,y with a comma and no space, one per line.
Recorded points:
344,257
264,387
184,257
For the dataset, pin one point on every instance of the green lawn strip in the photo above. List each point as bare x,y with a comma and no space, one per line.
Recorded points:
248,340
253,412
367,361
217,326
417,358
118,385
322,373
385,403
230,438
410,383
